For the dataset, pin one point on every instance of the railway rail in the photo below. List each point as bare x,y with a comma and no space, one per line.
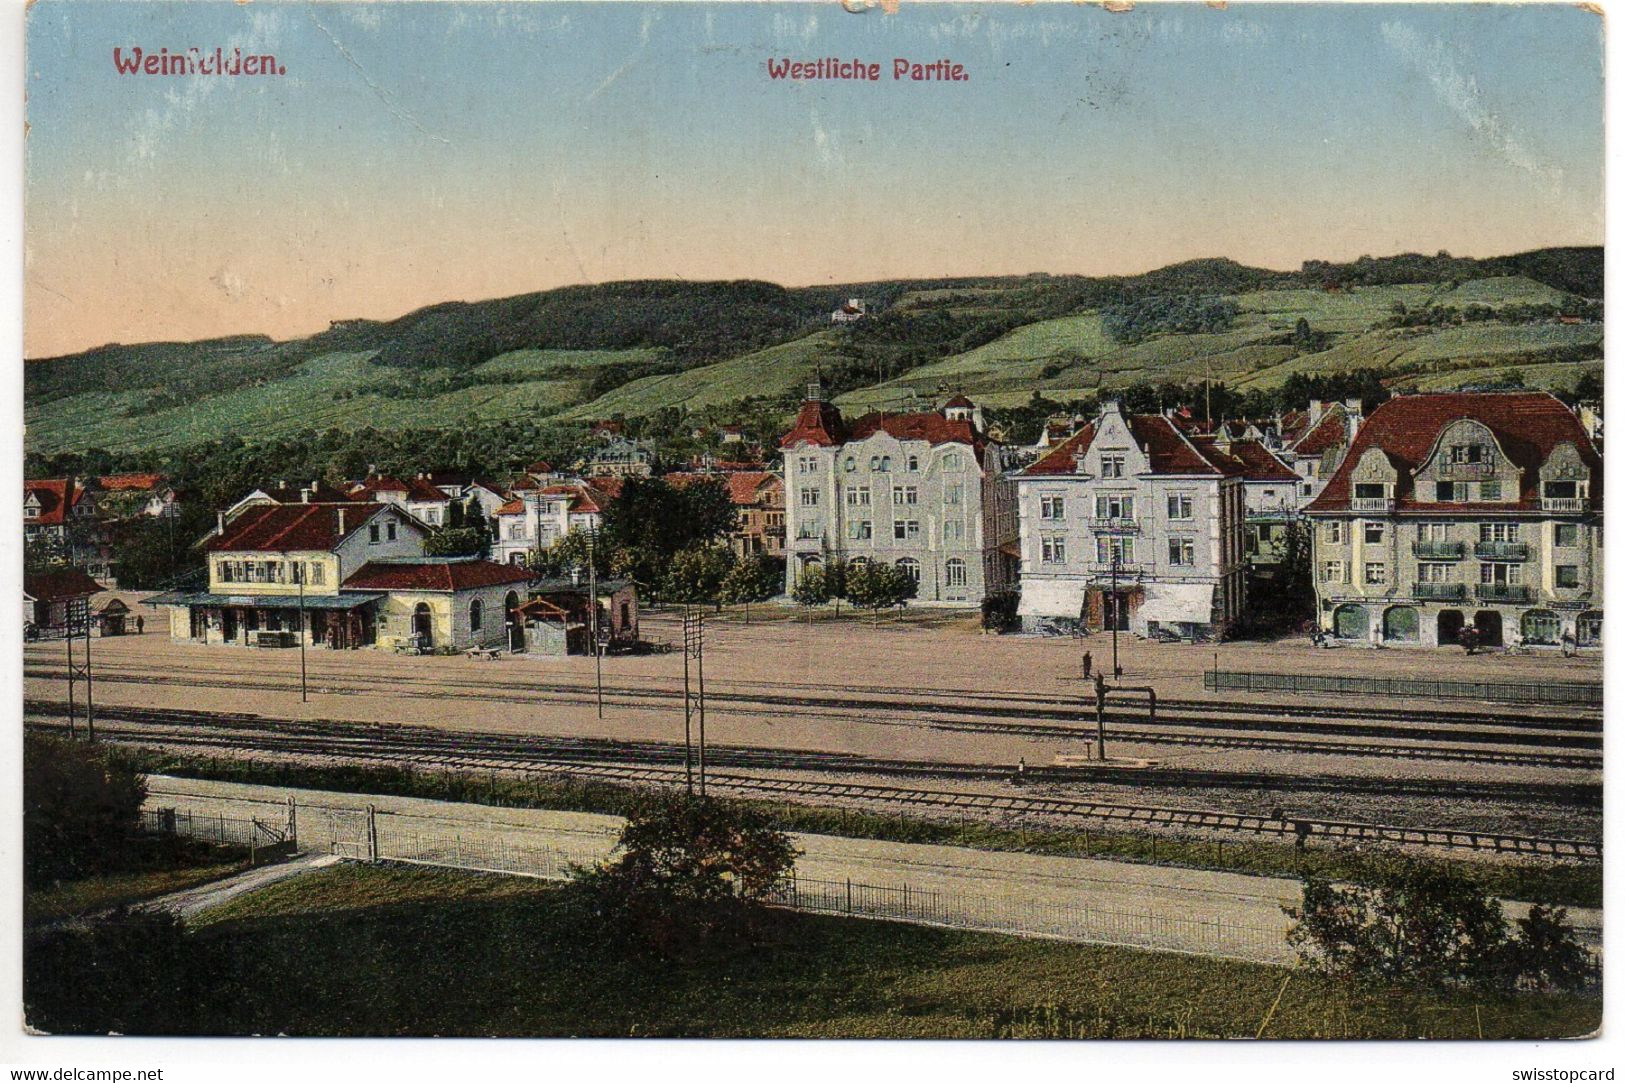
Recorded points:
1523,741
649,762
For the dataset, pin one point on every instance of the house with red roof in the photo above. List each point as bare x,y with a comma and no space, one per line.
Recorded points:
137,494
540,516
64,513
1133,524
927,492
1463,510
1312,442
421,497
277,572
440,603
1272,490
758,498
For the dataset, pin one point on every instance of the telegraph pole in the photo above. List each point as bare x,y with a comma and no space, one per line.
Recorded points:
304,690
1117,555
592,599
73,672
699,663
688,701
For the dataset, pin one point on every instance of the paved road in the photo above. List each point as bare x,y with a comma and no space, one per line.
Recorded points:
1215,913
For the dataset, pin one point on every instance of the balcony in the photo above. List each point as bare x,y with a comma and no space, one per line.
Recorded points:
1563,503
1439,550
1124,571
1501,592
1372,503
1439,592
1501,550
1115,526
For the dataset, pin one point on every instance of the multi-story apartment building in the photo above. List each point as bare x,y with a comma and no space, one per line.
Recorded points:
926,492
62,516
1272,496
538,517
1312,441
1458,509
1130,523
758,499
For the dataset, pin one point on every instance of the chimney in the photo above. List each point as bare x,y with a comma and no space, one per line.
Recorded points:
341,522
304,495
219,523
1316,408
1111,406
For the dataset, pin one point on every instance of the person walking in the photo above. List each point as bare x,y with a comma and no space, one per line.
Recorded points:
140,625
1088,664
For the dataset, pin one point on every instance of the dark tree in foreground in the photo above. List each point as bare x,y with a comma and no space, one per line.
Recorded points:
80,807
689,870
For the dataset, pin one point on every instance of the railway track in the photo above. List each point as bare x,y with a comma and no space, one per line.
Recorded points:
1507,741
584,759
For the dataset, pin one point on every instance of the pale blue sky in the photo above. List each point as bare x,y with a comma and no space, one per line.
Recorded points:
423,152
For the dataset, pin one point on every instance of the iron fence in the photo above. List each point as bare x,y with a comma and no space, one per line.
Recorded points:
1554,693
217,828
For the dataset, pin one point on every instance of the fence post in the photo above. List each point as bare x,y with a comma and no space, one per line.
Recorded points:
849,894
220,827
372,833
293,824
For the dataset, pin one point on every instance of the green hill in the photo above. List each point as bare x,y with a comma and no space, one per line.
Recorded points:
634,348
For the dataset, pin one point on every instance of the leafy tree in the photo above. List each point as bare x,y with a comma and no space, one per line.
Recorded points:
878,586
811,588
1426,923
80,807
754,579
455,541
689,869
696,574
568,555
652,520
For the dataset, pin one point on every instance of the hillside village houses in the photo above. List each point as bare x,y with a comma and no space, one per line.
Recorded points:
1130,523
1458,509
927,492
64,513
538,517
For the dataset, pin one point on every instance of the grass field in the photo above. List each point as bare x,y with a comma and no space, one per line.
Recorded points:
360,950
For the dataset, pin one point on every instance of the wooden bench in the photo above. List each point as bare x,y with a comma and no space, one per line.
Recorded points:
493,653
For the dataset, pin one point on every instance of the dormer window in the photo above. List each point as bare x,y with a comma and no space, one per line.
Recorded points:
1471,453
1367,490
1111,466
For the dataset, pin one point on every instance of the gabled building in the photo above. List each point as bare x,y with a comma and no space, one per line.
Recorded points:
277,572
620,457
758,500
435,603
281,492
926,492
1458,509
420,497
138,494
63,514
538,518
1313,442
53,599
1130,523
1272,492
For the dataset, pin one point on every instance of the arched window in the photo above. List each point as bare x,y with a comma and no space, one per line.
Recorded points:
911,568
1541,626
476,612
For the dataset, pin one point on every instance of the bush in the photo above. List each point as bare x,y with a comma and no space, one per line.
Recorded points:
691,870
79,809
1427,924
126,973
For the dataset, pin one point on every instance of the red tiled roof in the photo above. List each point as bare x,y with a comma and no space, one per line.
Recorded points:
437,575
58,584
512,507
321,494
129,482
817,423
957,402
279,527
1528,426
539,467
54,496
609,487
1168,450
1259,462
1329,432
742,485
932,428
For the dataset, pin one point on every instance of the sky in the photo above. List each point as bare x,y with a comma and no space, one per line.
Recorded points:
424,152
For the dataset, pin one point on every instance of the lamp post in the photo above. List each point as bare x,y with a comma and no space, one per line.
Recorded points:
304,687
1117,556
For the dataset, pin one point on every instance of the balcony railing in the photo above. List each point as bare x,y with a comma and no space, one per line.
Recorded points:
1124,571
1502,550
1118,525
1501,592
1440,550
1443,592
1563,503
1372,503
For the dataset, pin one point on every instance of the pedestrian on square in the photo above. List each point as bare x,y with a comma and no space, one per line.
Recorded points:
140,625
1088,664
